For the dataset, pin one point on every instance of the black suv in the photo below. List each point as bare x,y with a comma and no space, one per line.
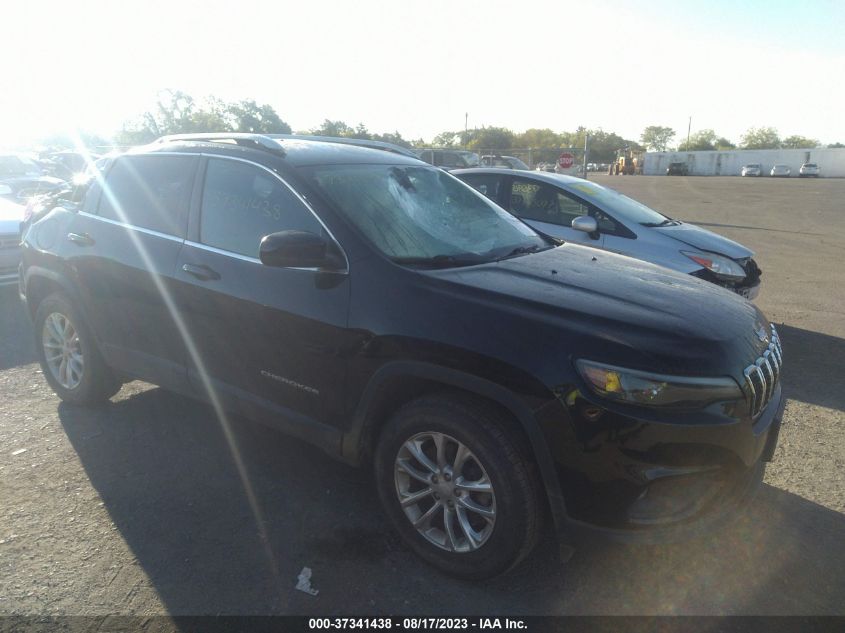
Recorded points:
383,310
677,169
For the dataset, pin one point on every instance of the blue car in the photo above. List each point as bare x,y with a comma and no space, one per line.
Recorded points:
584,212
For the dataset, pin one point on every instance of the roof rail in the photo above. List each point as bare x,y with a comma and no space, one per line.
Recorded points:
271,142
360,142
260,141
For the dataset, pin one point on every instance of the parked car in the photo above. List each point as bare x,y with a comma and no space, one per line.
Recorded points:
67,165
545,167
449,158
752,169
782,171
384,311
584,212
21,178
507,162
11,216
809,170
677,169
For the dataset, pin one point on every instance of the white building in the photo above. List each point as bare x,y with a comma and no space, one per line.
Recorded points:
831,162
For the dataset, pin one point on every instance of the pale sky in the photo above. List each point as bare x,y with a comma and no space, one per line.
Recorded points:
417,67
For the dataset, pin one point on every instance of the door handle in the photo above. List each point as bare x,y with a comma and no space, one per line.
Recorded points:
201,272
81,239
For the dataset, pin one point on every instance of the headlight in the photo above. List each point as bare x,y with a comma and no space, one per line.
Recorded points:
655,390
722,267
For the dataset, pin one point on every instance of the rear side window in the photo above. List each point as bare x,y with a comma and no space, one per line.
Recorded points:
484,183
242,203
151,192
544,203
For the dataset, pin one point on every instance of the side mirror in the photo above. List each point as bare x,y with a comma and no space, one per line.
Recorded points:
586,224
298,249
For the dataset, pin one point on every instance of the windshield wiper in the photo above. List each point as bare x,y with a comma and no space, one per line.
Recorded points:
440,261
665,222
523,250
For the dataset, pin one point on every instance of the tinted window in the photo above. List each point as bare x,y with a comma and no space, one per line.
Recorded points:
485,183
544,203
151,192
242,203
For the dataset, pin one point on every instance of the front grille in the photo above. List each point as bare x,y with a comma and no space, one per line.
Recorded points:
761,377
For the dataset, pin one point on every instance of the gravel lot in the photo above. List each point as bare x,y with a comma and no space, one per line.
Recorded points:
137,507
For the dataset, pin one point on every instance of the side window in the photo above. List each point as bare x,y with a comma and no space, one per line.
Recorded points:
544,203
151,192
242,203
484,183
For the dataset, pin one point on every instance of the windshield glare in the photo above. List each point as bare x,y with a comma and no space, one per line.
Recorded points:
420,213
621,207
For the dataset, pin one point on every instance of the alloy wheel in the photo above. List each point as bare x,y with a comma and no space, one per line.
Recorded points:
445,492
62,350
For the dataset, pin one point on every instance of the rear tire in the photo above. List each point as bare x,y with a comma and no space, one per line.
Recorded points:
68,354
491,531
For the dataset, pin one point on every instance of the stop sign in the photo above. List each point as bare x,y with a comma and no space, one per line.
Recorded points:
565,160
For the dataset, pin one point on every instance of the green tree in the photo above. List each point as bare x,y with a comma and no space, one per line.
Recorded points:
723,143
490,138
657,137
248,116
799,142
703,140
538,138
332,128
836,145
393,137
447,139
760,138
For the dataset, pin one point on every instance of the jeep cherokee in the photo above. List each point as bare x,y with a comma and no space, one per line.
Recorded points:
386,312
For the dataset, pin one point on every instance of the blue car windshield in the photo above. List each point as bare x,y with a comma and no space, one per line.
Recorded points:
419,215
620,206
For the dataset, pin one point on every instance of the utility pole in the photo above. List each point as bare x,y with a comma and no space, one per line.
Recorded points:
466,129
586,149
689,127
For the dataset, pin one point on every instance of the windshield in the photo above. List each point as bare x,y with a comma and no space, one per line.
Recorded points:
11,165
621,207
419,215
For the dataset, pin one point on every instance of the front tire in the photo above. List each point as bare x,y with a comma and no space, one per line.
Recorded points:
68,355
458,485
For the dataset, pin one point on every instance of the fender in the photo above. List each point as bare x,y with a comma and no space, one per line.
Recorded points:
356,440
32,272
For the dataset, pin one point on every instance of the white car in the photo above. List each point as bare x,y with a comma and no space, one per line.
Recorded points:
11,216
752,169
782,171
809,170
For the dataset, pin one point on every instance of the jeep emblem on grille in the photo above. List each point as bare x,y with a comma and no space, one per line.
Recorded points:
761,334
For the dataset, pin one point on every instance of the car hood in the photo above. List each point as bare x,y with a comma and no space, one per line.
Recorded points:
657,317
704,240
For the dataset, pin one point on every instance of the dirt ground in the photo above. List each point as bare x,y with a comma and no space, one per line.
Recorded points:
137,507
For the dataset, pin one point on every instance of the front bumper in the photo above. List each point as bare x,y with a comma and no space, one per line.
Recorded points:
635,480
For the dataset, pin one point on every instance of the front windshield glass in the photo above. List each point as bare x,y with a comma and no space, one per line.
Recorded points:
621,207
420,215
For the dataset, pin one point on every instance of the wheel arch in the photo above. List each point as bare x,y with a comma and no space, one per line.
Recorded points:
400,381
40,282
